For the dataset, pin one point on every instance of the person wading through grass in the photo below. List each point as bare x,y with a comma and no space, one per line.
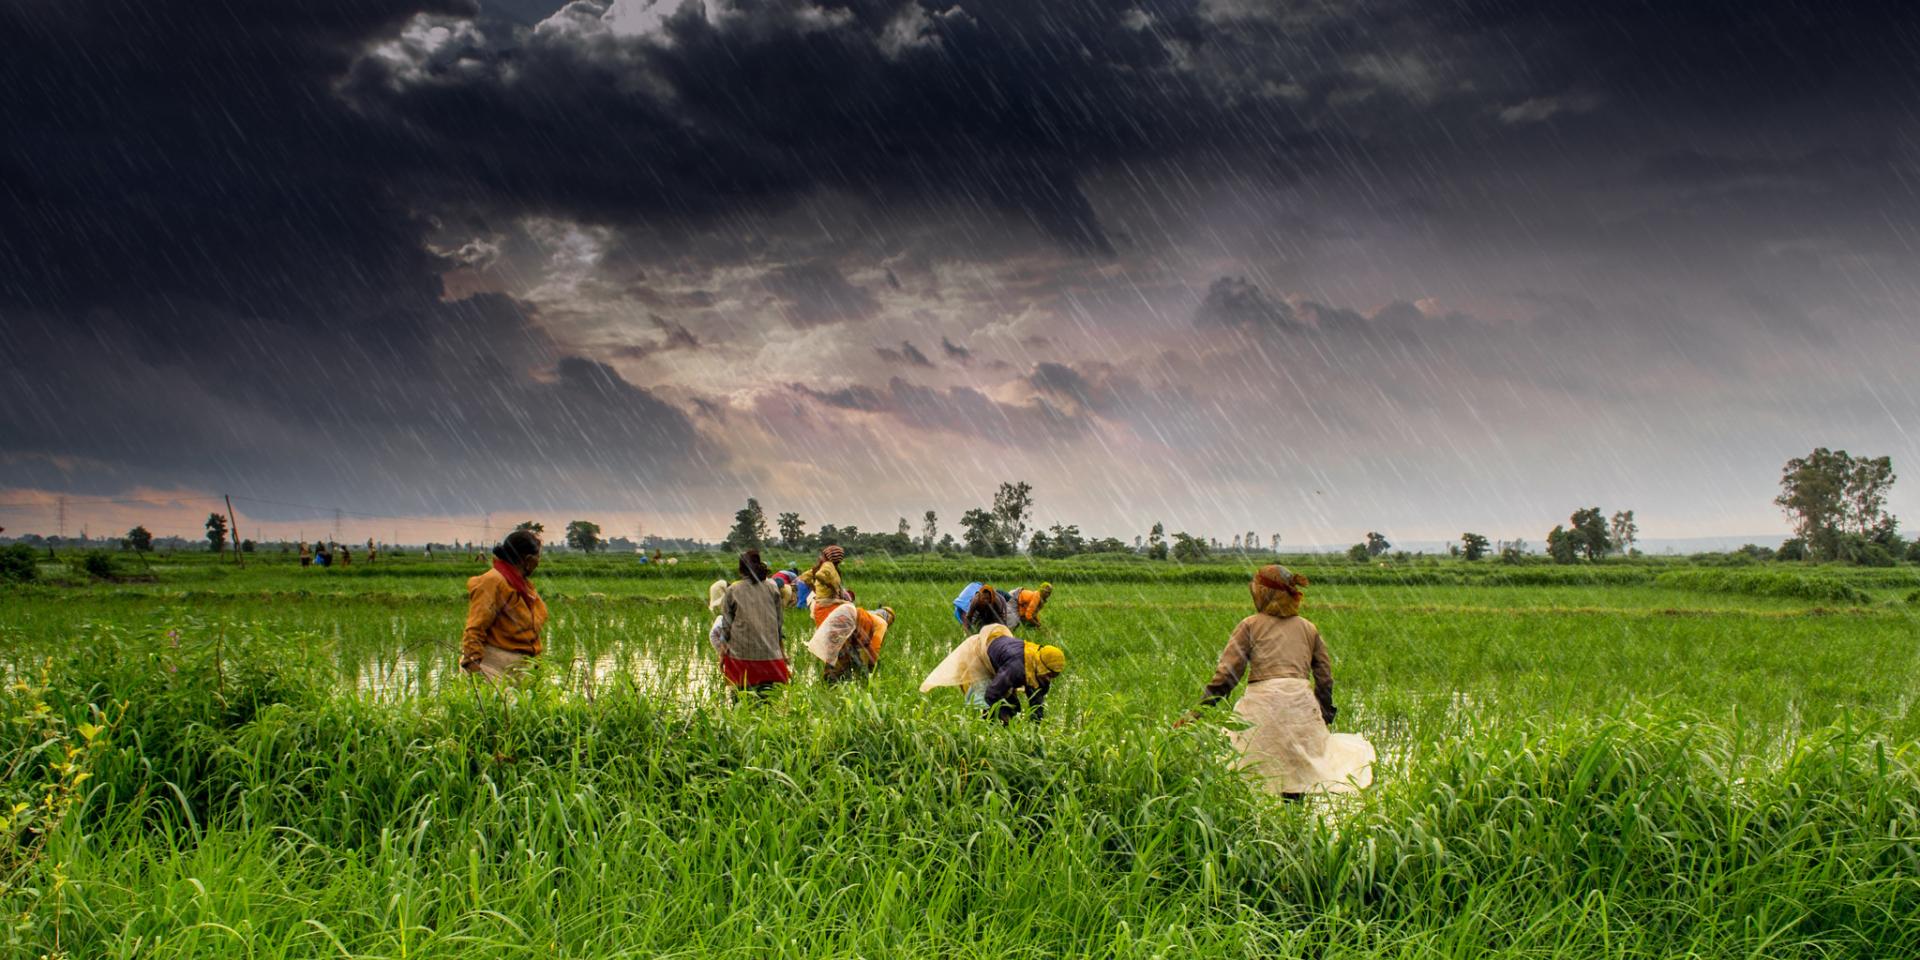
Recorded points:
823,581
1028,603
1289,698
846,638
994,667
980,606
504,615
753,654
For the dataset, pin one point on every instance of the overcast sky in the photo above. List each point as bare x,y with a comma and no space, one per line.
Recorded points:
1311,268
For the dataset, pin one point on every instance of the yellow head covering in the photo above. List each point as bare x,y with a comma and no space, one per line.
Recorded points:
1044,663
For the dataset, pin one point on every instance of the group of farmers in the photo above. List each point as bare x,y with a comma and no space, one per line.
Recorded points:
1287,706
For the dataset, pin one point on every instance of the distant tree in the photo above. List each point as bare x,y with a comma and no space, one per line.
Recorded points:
1252,541
535,527
583,536
246,546
1040,545
1830,492
139,540
749,528
1188,548
1276,543
1139,543
1012,505
1377,544
948,545
1591,536
1513,552
1473,546
1793,548
982,532
929,530
1623,531
1564,545
1065,541
1358,553
216,532
1157,542
793,531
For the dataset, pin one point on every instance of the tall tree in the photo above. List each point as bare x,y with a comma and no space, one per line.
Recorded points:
1012,505
216,532
1474,546
1276,543
1252,541
793,531
1563,545
749,528
1377,544
982,530
535,527
1830,492
1623,531
583,536
1188,548
1157,542
139,540
1590,533
929,530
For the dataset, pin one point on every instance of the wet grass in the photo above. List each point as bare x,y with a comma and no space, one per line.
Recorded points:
1568,769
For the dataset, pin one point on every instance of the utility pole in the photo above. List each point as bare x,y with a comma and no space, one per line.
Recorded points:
233,530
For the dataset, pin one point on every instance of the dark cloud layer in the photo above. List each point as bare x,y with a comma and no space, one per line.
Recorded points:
231,222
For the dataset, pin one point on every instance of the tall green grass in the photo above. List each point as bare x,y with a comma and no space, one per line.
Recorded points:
1595,774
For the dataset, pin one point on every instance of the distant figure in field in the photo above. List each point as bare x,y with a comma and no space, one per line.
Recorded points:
1027,603
993,668
504,615
980,606
752,648
373,553
346,556
321,557
823,581
306,554
1289,698
846,638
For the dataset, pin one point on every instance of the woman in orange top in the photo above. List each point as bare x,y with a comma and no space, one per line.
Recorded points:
504,615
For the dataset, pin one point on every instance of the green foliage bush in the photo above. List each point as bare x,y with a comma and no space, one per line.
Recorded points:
17,563
1769,583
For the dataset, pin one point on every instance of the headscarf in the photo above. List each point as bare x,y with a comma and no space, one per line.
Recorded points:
752,567
1277,591
833,554
517,545
1048,660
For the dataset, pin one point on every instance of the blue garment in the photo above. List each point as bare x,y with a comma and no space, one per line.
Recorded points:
963,601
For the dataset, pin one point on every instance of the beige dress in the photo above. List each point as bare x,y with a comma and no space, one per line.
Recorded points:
1286,742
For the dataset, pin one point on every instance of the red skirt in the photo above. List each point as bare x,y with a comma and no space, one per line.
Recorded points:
752,673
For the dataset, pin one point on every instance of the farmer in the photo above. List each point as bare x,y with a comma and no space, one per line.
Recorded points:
753,655
504,615
1027,603
1289,698
793,593
980,604
846,638
993,667
823,581
306,554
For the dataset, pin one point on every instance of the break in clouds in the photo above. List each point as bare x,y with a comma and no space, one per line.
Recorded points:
1316,268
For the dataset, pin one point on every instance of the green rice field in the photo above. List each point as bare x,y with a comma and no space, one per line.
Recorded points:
1632,759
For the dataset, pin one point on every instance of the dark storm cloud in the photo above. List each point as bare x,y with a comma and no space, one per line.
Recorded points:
1236,302
908,355
815,294
955,352
962,411
224,219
